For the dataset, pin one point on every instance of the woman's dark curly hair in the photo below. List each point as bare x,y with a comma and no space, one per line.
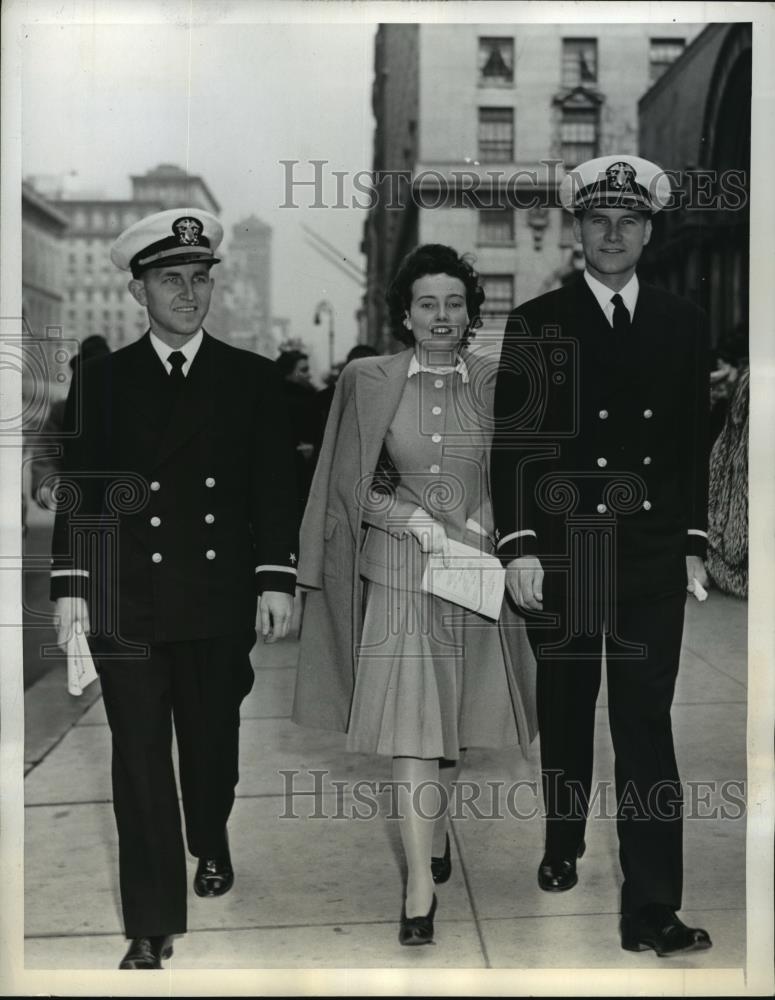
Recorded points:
432,258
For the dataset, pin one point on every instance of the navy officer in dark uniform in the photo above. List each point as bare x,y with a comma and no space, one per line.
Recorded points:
600,471
176,510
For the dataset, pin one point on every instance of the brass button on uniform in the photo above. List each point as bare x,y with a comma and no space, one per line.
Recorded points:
602,462
155,521
157,557
601,508
647,460
209,518
646,505
648,414
436,438
210,553
435,468
209,481
155,486
603,414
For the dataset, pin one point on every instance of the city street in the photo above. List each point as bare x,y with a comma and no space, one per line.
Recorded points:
317,887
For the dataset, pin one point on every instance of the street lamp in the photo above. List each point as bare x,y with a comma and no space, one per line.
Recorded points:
325,308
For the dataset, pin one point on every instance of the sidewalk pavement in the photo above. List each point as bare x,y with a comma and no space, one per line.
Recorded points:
326,891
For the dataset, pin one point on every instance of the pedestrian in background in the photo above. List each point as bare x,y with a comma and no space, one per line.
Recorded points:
47,453
300,397
326,396
403,469
728,496
183,466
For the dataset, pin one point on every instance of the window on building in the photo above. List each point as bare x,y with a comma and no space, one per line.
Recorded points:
498,295
579,61
89,315
88,260
496,225
496,62
579,135
662,53
496,135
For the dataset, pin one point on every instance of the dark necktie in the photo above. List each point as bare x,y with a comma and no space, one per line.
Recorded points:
621,315
177,359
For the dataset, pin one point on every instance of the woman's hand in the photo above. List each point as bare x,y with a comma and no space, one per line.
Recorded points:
430,534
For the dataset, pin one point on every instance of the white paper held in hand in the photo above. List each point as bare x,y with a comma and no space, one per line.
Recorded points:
473,579
80,666
698,590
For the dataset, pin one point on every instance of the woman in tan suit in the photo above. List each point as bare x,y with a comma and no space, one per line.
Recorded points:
403,469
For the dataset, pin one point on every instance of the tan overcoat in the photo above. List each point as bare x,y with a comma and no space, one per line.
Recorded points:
366,399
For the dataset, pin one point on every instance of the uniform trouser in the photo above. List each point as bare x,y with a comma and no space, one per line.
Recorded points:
640,693
200,685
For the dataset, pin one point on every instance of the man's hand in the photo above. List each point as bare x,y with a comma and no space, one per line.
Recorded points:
695,570
431,535
72,615
525,580
276,609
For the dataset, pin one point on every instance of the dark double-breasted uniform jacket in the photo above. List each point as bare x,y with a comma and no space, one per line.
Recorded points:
596,429
176,508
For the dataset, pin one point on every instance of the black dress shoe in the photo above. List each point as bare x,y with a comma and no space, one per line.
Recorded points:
417,930
214,876
659,928
441,868
147,953
559,874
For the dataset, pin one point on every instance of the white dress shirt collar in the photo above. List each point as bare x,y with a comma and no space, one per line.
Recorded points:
189,349
415,367
604,294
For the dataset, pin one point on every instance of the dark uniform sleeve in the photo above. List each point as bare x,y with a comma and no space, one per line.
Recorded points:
514,464
79,491
274,507
697,437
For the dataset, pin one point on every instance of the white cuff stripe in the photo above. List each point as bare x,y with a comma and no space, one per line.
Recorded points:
515,534
69,572
276,569
696,531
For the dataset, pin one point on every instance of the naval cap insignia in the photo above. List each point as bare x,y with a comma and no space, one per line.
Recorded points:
188,230
620,175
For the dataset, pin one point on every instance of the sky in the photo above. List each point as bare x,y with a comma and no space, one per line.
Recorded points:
228,102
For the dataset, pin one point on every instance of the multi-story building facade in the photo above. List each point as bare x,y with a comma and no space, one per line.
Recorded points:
43,283
247,295
43,256
96,299
697,118
481,121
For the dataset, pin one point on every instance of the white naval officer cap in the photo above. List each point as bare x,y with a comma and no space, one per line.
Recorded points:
174,236
618,181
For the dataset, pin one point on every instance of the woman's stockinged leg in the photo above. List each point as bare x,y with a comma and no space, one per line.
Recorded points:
418,802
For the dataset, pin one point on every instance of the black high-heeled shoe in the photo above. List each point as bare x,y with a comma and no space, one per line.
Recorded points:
417,930
441,868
